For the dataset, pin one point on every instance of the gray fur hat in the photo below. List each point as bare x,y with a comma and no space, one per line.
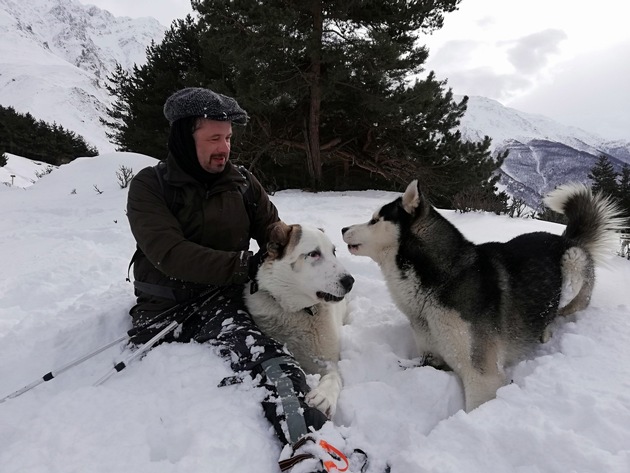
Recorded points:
198,102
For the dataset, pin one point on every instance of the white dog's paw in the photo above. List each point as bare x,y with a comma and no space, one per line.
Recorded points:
320,400
324,396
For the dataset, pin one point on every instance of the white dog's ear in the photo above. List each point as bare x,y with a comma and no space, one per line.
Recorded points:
279,236
412,197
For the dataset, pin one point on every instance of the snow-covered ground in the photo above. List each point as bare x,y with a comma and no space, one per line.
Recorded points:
64,251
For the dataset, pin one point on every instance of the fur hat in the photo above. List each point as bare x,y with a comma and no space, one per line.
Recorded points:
198,102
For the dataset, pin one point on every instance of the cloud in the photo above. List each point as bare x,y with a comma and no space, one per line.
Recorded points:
453,54
486,82
516,65
531,53
589,91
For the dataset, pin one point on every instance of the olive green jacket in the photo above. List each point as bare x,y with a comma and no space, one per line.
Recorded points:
202,238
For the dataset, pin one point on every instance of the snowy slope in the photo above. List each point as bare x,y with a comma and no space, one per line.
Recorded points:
55,56
65,250
489,117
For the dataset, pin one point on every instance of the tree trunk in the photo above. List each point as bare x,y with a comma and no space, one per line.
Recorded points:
314,154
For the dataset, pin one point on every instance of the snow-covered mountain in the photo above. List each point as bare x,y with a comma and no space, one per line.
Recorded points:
55,56
542,152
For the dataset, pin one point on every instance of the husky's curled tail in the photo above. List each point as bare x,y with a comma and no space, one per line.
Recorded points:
593,219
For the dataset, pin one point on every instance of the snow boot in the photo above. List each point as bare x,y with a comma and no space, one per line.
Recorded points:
312,454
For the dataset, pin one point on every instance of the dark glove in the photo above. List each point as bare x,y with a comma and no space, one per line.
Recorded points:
254,262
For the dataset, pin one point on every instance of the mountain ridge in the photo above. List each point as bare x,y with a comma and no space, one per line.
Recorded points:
543,153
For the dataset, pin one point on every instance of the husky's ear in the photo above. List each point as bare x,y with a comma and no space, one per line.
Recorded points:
412,198
413,201
279,235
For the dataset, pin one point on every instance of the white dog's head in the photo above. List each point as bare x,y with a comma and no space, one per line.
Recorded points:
301,268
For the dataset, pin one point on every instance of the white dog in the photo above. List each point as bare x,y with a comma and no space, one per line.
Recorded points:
300,302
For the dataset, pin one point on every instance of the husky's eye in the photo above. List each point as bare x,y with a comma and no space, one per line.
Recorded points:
314,254
373,221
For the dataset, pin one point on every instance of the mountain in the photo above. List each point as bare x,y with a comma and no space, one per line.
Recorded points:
542,153
55,56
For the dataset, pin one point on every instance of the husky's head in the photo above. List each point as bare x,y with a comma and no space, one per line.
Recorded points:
301,268
383,231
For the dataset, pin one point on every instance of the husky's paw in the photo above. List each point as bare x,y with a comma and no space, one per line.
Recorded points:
324,396
413,363
428,359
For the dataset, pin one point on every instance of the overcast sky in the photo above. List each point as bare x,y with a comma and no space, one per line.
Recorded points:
565,59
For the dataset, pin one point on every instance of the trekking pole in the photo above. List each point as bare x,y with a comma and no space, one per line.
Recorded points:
144,348
185,315
54,373
129,334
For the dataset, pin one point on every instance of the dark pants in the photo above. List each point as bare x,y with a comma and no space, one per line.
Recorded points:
223,322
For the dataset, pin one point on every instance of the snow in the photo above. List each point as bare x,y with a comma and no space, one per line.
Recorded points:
65,251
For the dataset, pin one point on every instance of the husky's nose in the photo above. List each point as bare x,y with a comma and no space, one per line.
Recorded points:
344,230
347,282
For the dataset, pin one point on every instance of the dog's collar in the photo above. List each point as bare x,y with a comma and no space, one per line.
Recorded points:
312,310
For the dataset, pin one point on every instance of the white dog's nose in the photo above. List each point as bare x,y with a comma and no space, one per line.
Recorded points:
347,282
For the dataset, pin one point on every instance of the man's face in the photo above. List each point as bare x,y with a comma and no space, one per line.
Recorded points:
212,141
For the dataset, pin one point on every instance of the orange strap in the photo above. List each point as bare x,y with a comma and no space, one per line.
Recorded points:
336,454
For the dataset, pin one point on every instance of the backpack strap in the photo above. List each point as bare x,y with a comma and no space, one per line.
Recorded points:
167,191
169,195
247,191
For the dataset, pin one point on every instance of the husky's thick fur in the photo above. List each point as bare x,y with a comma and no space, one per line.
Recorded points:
478,308
300,302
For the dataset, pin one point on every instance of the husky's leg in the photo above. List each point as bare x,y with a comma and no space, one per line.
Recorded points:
480,387
578,279
483,375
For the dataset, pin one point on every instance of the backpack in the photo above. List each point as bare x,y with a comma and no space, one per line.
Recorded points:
169,192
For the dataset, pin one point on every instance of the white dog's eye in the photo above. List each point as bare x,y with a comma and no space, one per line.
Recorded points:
314,254
373,221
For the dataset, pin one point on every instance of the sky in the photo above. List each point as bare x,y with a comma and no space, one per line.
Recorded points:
65,250
563,59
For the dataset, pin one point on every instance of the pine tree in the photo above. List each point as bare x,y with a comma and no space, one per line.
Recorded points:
604,177
136,120
25,136
328,84
624,189
327,87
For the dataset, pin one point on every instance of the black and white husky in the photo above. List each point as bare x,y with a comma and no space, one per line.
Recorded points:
477,308
300,303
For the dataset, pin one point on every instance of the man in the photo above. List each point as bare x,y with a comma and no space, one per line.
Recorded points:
192,218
